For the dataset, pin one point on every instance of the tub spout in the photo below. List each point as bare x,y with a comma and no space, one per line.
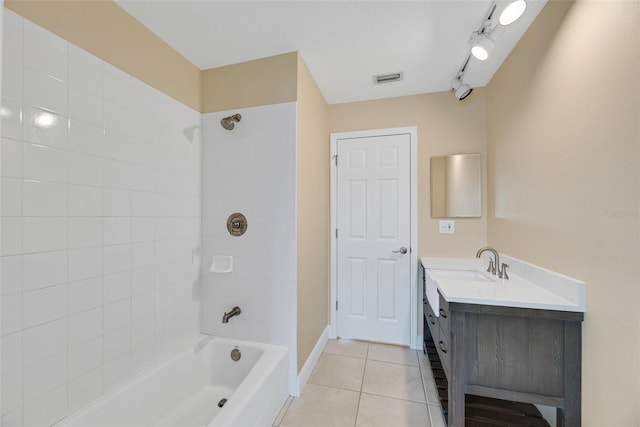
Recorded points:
235,311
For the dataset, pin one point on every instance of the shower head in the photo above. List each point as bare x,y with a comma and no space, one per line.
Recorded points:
229,122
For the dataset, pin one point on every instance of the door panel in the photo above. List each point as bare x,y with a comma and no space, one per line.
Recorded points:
373,219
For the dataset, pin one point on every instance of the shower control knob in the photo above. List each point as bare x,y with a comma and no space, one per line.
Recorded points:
402,251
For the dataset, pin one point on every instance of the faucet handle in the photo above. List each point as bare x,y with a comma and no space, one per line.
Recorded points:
502,272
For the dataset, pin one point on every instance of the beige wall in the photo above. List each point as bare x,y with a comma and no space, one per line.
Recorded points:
312,165
445,126
104,29
564,175
264,81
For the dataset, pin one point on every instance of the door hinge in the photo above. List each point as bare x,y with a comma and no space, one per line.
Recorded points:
335,159
336,305
336,233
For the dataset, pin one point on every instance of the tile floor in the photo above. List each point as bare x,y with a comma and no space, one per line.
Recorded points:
357,383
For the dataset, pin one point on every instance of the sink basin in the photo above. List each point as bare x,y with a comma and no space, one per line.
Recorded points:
473,275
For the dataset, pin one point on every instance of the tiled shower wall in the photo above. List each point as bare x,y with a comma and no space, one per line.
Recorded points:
251,170
100,224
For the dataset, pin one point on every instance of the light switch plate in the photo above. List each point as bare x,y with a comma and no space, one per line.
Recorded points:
447,226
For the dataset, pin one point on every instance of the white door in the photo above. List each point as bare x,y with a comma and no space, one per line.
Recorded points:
373,217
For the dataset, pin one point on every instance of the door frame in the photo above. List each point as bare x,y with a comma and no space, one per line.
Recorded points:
412,131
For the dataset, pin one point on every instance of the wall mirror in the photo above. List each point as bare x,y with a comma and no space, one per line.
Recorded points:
456,186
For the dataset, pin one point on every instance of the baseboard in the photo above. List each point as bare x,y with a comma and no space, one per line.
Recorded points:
419,343
306,370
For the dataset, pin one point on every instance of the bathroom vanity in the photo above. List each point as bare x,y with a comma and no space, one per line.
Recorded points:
517,339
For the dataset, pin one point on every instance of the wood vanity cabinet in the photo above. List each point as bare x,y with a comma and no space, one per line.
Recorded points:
517,354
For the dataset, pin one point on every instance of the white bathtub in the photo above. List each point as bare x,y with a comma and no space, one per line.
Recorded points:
185,390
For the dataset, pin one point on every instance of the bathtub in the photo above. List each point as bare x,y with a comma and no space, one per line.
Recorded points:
186,390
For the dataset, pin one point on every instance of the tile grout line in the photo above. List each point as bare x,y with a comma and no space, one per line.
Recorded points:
366,359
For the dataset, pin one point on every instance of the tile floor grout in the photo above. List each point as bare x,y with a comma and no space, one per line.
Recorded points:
296,407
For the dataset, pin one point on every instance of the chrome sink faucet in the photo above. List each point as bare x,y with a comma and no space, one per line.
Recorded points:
235,311
493,266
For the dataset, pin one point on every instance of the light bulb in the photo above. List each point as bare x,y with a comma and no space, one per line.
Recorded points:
512,12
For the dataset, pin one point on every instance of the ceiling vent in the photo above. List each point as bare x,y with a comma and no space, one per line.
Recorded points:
388,78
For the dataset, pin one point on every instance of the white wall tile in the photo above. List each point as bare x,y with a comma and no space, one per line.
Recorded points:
44,163
142,354
84,232
86,138
41,198
116,202
44,341
44,269
44,128
85,389
13,418
11,353
44,234
116,371
11,158
117,258
85,263
45,92
11,274
11,196
117,174
84,295
143,178
142,254
116,230
44,305
143,305
84,358
44,52
85,106
117,145
44,376
117,314
47,409
85,200
84,169
11,119
143,203
117,343
11,315
117,286
85,71
85,326
11,237
142,279
12,52
11,392
143,229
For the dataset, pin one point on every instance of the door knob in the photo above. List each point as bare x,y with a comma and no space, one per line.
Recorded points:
402,251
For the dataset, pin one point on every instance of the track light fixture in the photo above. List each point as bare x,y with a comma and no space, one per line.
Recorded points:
484,40
460,89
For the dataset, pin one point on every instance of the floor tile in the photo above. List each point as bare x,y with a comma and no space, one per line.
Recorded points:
389,412
430,389
344,347
392,354
393,380
338,371
322,406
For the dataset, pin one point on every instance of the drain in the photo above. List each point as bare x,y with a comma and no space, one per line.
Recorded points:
235,354
221,403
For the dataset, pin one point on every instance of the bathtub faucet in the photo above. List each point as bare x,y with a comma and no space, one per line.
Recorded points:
235,311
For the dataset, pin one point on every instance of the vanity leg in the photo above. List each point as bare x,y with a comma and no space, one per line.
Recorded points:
571,415
457,378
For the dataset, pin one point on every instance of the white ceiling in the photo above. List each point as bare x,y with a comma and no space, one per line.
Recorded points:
344,42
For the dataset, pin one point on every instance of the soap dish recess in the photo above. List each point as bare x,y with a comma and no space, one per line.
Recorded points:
221,264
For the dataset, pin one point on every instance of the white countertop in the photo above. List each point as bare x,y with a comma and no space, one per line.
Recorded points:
528,286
